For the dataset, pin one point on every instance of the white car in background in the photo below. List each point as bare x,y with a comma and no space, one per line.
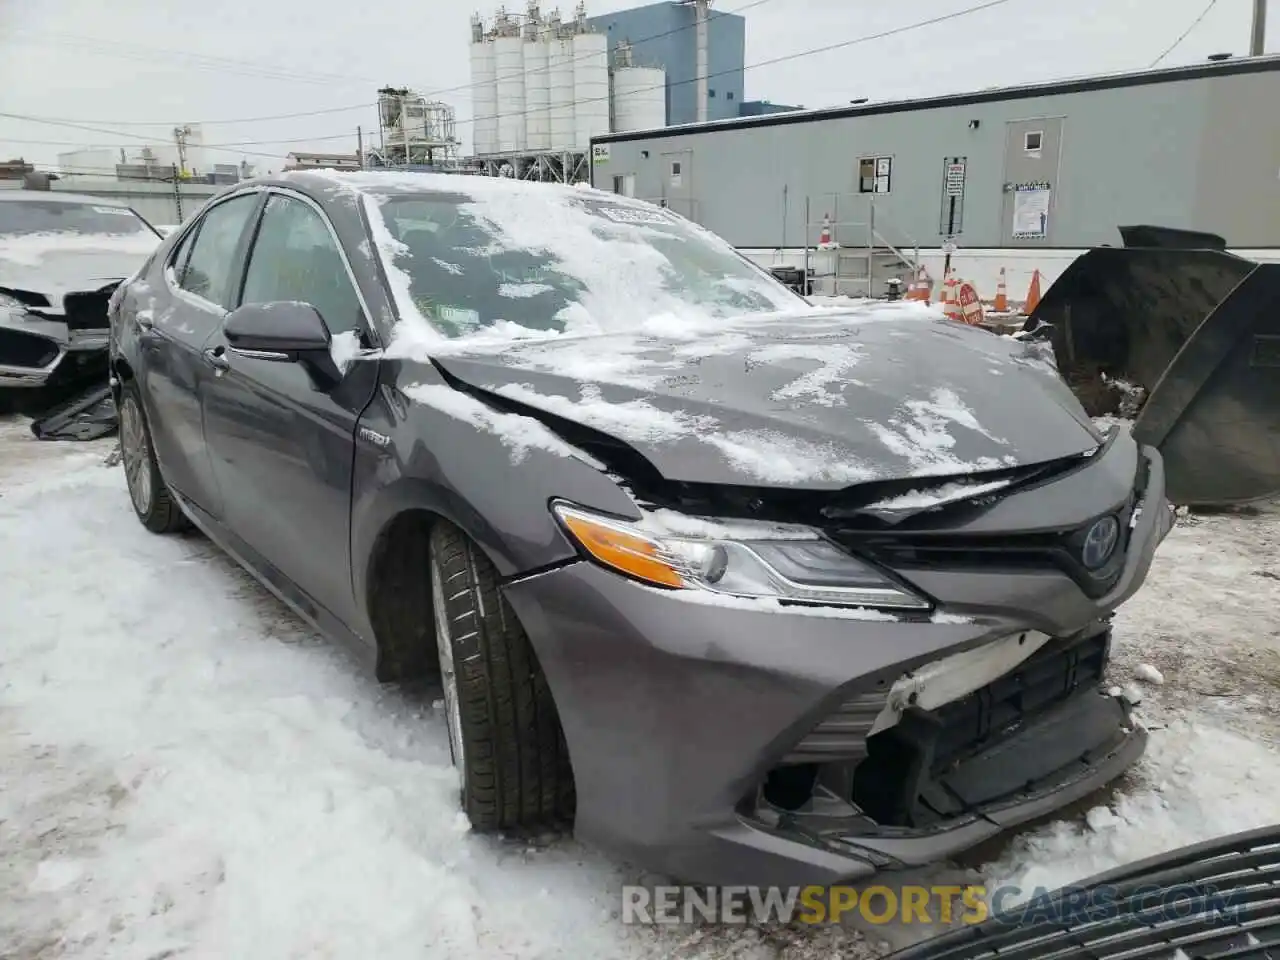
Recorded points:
61,257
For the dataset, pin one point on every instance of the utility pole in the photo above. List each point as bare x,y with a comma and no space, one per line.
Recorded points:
177,193
180,135
360,146
1259,36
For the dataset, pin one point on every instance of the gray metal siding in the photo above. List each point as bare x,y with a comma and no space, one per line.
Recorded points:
674,48
1132,154
1238,189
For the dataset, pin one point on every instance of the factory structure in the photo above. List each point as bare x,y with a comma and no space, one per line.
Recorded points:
544,86
865,191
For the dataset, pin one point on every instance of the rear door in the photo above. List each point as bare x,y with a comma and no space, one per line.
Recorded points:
189,309
281,435
677,183
1032,151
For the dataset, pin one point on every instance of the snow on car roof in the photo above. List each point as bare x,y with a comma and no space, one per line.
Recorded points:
19,196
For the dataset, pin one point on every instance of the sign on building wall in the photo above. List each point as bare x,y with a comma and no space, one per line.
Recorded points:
1031,210
954,172
600,153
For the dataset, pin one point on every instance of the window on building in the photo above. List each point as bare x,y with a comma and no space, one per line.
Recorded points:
729,95
619,184
675,168
875,174
711,94
1033,141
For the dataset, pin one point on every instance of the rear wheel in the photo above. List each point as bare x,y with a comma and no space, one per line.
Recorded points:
152,501
504,732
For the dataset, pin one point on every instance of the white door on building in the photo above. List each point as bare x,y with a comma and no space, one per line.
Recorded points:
1033,149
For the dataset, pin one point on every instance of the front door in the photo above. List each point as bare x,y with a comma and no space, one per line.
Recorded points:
677,183
196,290
281,434
1032,151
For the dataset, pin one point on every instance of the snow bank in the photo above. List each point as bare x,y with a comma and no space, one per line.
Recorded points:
186,770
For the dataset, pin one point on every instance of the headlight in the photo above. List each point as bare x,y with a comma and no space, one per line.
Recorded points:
9,303
808,570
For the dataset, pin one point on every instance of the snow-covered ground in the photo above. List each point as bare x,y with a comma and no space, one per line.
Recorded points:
186,771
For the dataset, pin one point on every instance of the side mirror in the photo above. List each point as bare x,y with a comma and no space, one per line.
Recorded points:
286,327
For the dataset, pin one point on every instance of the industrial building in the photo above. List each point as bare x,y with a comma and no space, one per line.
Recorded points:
1025,169
666,35
543,86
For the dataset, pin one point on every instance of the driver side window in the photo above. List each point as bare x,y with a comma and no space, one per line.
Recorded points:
295,257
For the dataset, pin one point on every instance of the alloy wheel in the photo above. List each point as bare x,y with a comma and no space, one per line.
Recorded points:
135,454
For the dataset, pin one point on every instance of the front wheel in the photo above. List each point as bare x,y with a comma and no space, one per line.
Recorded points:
152,501
504,731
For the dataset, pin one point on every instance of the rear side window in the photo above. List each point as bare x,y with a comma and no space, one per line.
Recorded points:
296,258
178,261
207,272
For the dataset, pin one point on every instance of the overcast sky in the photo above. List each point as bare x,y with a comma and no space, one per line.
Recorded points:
135,68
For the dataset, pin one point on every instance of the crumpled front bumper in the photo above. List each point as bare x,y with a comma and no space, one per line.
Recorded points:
34,349
675,711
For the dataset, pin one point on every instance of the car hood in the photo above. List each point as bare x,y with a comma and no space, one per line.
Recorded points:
53,265
820,401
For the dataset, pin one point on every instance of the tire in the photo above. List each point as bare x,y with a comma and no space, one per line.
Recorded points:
504,731
150,496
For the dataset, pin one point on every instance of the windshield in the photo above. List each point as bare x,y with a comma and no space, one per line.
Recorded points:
556,263
26,217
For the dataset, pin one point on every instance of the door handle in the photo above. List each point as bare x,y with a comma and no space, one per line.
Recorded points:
216,357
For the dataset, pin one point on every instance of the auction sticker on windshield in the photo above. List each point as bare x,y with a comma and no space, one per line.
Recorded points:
632,215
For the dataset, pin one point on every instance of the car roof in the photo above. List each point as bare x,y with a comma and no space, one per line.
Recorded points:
383,182
18,196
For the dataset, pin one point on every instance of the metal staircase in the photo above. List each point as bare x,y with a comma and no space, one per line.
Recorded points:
846,253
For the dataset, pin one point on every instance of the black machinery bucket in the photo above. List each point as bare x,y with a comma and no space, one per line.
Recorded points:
1199,329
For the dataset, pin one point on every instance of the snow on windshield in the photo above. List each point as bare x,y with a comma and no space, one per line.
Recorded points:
489,256
28,217
31,249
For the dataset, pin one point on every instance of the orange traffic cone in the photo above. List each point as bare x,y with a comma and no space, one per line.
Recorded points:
950,300
1033,294
919,290
824,239
1002,295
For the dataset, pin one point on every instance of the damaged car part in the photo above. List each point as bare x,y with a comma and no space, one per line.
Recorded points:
61,258
749,590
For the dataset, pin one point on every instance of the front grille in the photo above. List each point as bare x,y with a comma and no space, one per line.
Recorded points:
1049,676
19,348
88,311
995,553
904,780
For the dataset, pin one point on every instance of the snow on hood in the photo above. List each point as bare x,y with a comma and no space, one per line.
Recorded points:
821,401
57,263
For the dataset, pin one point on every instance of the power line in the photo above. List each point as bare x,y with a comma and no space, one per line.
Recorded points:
785,58
136,51
1185,33
430,94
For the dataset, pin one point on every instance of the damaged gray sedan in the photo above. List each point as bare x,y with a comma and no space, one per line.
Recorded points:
747,590
61,256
